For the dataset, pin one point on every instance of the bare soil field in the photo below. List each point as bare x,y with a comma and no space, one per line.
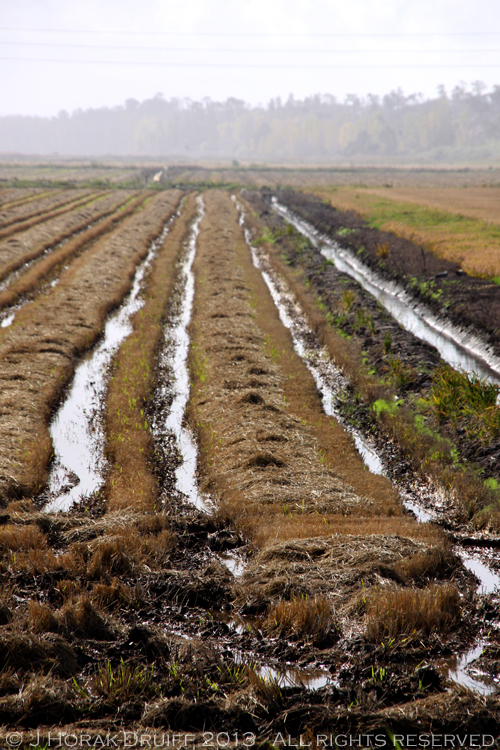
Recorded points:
300,553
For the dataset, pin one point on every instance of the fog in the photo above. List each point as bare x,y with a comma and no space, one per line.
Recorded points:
461,125
219,78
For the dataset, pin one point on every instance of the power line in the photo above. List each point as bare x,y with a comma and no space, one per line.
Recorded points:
246,65
252,34
239,49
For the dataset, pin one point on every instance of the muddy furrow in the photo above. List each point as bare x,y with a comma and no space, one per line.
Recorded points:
70,204
16,251
133,481
38,207
39,351
266,446
33,276
377,455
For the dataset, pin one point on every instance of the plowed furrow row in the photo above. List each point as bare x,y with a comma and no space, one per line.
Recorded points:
28,282
37,207
264,452
28,245
10,197
70,204
38,353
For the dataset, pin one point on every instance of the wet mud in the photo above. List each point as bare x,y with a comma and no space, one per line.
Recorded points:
389,349
256,613
39,350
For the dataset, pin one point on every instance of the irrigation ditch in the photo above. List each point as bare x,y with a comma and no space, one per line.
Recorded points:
378,455
227,540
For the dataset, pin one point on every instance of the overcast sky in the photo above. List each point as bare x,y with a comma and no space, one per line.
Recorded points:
94,53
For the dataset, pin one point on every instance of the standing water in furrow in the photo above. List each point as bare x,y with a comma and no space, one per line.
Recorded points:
328,378
176,386
330,382
460,349
76,430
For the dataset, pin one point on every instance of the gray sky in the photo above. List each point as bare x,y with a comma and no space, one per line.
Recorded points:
252,50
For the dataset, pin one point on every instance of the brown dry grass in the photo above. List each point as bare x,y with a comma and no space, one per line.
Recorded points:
28,282
476,202
395,612
304,619
38,351
131,482
14,538
38,218
94,551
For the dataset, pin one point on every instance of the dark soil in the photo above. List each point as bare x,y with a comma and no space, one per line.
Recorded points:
389,349
469,302
199,670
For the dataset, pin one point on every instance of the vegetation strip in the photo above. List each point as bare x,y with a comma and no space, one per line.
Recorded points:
39,350
27,283
132,482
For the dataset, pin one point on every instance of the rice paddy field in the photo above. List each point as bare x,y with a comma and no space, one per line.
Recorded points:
249,457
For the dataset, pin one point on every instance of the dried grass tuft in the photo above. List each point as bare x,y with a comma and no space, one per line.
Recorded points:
41,619
396,612
109,595
303,619
15,538
80,618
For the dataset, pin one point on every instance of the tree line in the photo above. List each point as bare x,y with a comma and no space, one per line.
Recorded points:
462,124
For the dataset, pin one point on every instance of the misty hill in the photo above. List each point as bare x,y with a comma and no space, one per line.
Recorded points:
462,126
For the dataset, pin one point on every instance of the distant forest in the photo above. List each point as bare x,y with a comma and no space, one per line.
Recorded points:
461,125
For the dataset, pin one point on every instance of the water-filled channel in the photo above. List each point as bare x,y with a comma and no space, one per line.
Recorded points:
175,361
76,430
330,382
462,350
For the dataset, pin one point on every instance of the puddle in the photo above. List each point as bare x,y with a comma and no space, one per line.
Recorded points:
422,515
8,320
235,564
329,380
457,668
238,623
489,581
76,430
311,679
462,350
174,361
